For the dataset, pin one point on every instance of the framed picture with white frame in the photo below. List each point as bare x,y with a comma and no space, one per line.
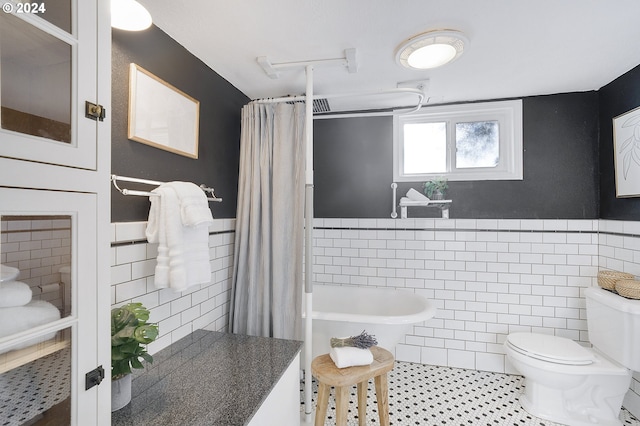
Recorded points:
626,145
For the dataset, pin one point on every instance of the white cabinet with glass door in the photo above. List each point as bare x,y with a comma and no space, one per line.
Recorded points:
54,212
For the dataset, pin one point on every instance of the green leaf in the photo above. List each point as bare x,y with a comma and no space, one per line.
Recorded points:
135,363
147,357
146,333
123,336
121,318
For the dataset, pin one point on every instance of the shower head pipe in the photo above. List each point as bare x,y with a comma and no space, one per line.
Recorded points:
400,110
350,60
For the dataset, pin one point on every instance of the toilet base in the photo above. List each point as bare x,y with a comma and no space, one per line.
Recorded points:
590,403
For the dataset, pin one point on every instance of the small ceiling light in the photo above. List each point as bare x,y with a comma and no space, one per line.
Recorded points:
431,49
129,15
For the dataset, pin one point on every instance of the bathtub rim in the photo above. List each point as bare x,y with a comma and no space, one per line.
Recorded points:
427,312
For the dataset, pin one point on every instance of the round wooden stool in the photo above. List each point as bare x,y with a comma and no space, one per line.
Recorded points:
327,374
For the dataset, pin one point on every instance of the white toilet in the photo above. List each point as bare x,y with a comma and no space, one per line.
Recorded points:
574,385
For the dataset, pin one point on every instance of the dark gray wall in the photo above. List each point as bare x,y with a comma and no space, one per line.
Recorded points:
568,149
354,167
617,97
219,139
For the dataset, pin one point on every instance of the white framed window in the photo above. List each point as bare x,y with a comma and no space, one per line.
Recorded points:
476,141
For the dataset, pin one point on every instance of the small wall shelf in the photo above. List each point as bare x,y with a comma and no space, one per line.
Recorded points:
443,205
405,202
16,358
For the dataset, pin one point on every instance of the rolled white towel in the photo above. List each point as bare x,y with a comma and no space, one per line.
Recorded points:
14,293
405,201
414,195
348,356
20,318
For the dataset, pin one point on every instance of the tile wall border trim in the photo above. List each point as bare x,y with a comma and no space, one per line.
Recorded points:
144,240
537,231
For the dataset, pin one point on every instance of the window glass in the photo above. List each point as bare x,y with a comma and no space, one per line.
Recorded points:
35,81
425,148
35,273
464,142
477,144
57,12
38,249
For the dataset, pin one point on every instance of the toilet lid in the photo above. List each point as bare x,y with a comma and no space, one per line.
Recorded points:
550,348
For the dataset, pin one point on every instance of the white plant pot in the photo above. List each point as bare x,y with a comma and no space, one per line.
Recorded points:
120,392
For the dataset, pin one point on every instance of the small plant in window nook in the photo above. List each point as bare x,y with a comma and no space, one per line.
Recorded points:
436,188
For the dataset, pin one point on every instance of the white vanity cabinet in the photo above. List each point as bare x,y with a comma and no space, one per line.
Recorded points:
282,405
55,94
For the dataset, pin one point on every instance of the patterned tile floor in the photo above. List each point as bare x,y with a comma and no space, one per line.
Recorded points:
29,390
427,395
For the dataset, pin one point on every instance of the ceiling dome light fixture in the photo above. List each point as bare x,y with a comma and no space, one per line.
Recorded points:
431,49
129,15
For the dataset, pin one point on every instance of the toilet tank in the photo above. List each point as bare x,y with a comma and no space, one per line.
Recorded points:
614,326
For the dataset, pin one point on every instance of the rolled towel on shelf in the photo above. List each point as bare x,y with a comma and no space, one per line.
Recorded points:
20,318
414,195
350,357
404,201
14,293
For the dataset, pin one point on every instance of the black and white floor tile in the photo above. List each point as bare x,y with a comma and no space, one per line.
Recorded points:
29,390
427,395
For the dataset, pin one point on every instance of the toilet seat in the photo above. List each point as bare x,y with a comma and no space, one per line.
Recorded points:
549,348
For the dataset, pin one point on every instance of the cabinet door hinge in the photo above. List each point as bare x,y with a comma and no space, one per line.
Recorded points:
94,111
94,377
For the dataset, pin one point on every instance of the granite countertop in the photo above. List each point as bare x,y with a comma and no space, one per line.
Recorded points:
207,378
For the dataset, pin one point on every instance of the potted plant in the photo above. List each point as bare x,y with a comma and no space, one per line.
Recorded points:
130,333
436,188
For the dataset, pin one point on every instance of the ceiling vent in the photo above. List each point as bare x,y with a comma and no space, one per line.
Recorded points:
321,105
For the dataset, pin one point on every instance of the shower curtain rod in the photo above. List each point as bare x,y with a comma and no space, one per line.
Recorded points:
125,191
400,90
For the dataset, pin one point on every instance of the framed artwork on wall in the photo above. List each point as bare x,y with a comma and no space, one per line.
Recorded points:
626,145
161,115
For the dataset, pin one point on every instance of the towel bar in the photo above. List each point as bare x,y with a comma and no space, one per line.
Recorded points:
125,191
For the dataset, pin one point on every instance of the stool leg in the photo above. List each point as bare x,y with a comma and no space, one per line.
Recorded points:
362,403
382,395
342,405
321,404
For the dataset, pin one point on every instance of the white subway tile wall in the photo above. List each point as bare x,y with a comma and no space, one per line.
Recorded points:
133,262
38,246
487,278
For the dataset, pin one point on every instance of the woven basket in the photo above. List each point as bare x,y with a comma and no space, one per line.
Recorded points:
628,288
607,279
